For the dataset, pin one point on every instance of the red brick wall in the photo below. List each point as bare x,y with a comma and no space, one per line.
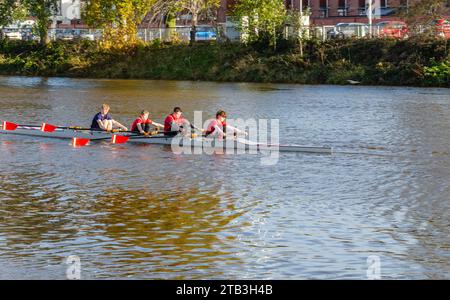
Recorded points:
352,14
353,6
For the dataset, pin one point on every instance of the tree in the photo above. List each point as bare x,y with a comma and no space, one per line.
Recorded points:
424,11
197,9
261,19
296,20
119,19
10,12
42,10
6,11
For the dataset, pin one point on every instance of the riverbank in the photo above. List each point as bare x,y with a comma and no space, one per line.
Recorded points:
413,62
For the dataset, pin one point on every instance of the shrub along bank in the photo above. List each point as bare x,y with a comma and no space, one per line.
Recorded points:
412,62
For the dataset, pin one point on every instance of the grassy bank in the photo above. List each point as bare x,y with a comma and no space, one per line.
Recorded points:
413,62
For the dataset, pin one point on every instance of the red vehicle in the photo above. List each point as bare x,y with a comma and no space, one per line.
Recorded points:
442,28
394,29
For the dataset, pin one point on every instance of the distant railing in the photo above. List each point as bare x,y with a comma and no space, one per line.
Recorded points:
232,33
74,33
203,33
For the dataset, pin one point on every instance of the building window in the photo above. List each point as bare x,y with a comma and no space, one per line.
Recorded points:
342,8
362,8
306,4
290,4
58,9
383,3
404,6
323,10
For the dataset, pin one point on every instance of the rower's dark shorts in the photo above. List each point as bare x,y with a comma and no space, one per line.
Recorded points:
145,127
170,134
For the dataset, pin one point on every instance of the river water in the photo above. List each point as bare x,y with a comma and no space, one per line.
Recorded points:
379,205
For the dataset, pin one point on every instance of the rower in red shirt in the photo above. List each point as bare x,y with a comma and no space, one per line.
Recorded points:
218,127
142,124
175,123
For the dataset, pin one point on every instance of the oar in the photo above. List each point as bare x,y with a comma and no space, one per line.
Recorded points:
45,127
194,127
115,139
9,126
122,139
79,142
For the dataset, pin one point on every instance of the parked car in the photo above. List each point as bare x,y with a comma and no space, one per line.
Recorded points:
87,36
83,34
393,29
27,35
65,34
205,35
347,30
12,34
442,27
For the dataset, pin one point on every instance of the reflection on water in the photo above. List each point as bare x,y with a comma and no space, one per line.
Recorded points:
139,211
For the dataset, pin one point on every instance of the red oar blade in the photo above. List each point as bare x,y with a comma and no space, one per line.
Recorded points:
48,127
79,142
119,139
9,126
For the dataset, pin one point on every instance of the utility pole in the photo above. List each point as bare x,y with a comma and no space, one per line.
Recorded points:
301,24
369,15
301,28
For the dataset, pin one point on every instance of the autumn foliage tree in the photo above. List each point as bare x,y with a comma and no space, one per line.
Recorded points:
119,19
424,11
42,10
261,19
7,8
196,9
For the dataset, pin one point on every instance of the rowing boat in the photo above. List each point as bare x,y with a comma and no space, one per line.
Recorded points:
164,140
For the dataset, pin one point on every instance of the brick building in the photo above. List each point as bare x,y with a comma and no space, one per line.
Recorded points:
331,12
322,12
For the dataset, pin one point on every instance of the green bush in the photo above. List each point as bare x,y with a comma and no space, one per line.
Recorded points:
416,61
438,73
